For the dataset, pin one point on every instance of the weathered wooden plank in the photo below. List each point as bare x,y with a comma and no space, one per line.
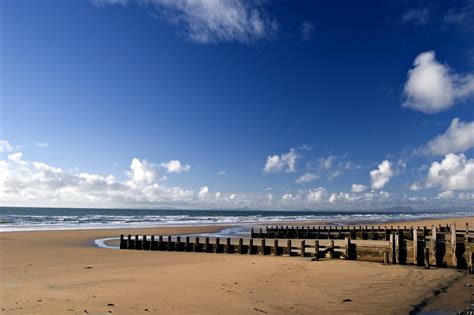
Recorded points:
415,246
453,245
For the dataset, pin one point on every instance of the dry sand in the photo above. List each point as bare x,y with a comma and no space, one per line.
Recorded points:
60,272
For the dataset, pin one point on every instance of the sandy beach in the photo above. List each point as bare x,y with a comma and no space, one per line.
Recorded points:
62,272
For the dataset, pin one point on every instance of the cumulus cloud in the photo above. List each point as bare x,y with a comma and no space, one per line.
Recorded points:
358,188
432,87
141,171
381,176
203,192
221,173
316,195
215,20
26,182
5,146
278,163
306,178
175,166
454,172
458,138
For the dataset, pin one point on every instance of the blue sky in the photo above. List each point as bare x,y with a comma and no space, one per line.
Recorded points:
228,104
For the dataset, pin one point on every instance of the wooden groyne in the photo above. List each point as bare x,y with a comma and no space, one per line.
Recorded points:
433,247
357,232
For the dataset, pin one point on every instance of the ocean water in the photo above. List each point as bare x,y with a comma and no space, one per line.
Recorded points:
23,219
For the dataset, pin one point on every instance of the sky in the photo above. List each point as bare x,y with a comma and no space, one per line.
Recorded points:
228,104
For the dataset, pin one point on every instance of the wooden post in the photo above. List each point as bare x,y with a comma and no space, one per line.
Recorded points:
453,245
252,233
196,246
427,258
153,244
303,248
392,249
398,247
288,247
317,232
217,245
262,246
186,244
260,234
207,247
138,243
123,243
250,249
160,242
433,246
145,243
471,262
170,247
466,236
275,248
241,245
347,247
130,244
316,250
228,246
331,249
178,245
415,247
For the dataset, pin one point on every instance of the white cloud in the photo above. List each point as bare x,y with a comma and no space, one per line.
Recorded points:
142,171
432,87
458,138
221,173
449,194
416,186
306,178
306,30
203,192
455,172
41,144
214,21
232,197
332,166
285,162
5,146
381,176
358,188
175,166
37,183
316,195
418,17
16,157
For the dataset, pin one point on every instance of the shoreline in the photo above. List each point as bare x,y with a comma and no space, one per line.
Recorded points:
46,272
409,222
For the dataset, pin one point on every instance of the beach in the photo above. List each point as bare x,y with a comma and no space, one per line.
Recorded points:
62,272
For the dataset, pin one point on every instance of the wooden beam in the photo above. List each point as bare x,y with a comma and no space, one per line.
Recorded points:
427,258
453,245
433,246
316,250
415,247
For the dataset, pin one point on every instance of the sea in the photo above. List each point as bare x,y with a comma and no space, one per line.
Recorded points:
30,219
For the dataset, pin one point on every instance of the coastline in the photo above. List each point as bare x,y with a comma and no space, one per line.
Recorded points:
46,272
